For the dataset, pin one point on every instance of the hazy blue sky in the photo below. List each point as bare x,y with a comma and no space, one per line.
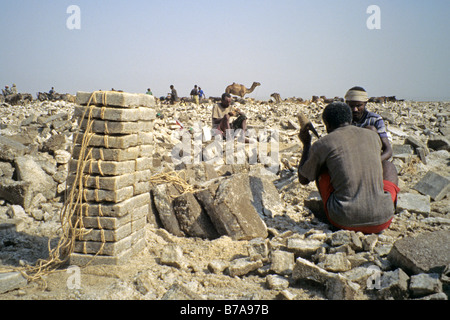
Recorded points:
293,47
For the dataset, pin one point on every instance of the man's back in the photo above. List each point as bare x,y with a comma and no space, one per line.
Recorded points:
352,157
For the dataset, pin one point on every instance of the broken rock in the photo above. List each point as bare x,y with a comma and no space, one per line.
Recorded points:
434,185
426,253
192,219
228,202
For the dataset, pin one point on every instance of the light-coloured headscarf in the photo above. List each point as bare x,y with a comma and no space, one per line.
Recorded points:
356,95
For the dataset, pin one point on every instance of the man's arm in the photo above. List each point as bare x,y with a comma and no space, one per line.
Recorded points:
305,138
386,148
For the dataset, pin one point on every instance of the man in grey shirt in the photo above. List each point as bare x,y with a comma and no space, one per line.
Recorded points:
358,192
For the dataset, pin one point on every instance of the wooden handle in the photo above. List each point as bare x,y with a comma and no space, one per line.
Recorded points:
303,120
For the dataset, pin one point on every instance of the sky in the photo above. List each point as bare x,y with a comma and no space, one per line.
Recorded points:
296,48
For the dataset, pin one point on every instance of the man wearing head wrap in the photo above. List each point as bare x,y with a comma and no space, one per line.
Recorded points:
357,99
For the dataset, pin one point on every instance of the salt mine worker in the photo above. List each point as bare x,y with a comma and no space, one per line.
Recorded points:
149,92
194,94
221,115
14,89
358,190
201,93
173,95
6,91
357,98
52,91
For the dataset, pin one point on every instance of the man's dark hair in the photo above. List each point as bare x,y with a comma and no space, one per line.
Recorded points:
226,95
337,113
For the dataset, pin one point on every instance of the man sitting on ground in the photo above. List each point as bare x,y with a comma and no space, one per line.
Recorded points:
221,114
358,191
357,99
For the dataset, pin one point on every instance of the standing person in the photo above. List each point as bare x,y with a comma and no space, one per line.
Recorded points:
194,94
358,190
357,98
173,95
14,89
201,94
149,92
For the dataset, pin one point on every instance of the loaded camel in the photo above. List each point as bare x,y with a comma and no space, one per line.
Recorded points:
240,90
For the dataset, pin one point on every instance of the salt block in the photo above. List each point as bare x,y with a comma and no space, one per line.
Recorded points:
428,252
115,114
115,196
81,259
116,235
107,141
111,127
110,154
228,202
115,99
108,248
93,209
414,203
105,183
109,168
434,185
112,168
112,223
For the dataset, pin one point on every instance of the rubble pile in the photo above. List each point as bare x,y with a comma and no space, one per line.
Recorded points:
245,230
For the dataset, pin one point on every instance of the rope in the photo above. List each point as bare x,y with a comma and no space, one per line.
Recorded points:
71,214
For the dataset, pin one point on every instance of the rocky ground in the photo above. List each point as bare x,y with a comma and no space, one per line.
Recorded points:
331,264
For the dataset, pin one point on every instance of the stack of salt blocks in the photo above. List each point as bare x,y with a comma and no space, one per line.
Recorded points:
116,187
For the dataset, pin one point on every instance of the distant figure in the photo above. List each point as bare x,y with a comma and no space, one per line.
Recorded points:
14,89
194,94
357,99
173,95
52,91
149,92
6,91
201,94
221,114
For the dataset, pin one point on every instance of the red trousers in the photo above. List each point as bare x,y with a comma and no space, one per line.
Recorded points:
325,189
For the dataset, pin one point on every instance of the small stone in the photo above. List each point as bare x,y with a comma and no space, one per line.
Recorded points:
425,284
217,266
243,266
282,262
303,247
172,255
394,285
62,156
11,281
286,295
277,282
369,242
335,262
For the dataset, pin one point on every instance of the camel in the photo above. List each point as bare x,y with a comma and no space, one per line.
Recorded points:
240,90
